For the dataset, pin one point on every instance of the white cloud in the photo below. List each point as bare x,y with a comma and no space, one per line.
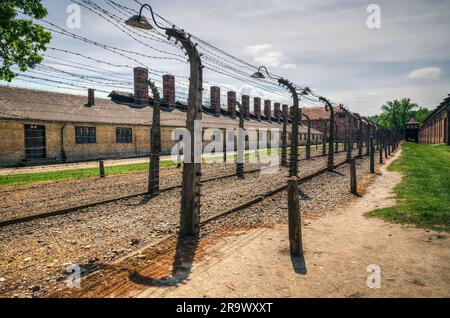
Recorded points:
425,73
262,54
289,66
255,49
270,59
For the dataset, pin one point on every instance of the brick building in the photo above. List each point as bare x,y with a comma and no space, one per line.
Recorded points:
43,127
435,129
320,120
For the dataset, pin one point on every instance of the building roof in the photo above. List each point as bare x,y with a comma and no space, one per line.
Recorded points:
29,104
316,113
444,105
412,121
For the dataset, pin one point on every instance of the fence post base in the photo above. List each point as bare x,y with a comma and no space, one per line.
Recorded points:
295,225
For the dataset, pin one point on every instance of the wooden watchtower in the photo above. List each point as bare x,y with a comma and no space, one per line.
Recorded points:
412,130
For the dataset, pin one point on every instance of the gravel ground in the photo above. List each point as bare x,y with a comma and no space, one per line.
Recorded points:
21,201
33,256
52,196
319,196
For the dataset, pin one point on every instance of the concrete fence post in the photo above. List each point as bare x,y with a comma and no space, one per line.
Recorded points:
295,228
330,161
225,147
369,137
293,171
324,144
308,137
284,141
353,181
360,137
349,136
102,168
381,155
389,145
155,147
179,154
336,146
192,167
240,157
308,142
372,155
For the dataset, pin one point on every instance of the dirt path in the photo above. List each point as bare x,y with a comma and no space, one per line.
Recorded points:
338,250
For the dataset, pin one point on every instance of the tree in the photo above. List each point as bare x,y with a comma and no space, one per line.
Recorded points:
397,112
21,40
422,114
374,118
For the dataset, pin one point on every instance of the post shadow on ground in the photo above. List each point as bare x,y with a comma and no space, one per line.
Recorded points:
146,199
304,196
181,266
337,172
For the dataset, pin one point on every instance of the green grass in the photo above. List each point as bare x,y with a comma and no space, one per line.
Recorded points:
52,176
18,179
424,194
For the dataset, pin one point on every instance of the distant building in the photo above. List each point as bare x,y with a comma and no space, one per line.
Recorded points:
436,127
38,127
320,120
412,130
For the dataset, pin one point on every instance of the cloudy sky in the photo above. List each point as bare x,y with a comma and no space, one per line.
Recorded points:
324,44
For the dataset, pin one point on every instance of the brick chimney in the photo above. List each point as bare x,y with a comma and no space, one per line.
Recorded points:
91,97
291,111
277,111
268,109
232,103
257,107
169,89
141,86
286,110
246,106
215,99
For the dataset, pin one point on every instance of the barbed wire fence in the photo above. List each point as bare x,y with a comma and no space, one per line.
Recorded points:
148,171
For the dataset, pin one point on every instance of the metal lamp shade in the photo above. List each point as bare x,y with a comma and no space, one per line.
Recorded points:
140,22
258,75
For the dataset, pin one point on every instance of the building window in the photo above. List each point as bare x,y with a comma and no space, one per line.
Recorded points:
124,135
35,142
342,115
85,135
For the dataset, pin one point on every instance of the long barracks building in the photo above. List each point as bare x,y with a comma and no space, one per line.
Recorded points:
436,128
46,127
